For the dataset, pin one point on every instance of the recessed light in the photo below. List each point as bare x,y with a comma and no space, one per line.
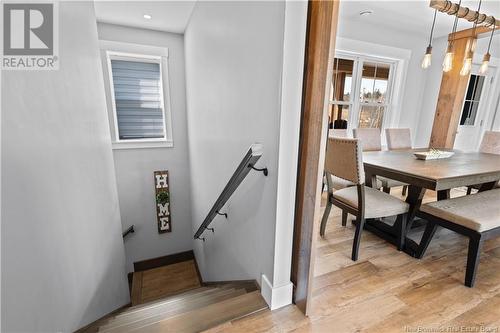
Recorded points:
147,16
366,12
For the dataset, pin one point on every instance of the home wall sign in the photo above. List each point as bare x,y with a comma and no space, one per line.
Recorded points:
162,198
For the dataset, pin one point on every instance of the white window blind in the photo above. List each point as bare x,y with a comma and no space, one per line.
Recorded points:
138,99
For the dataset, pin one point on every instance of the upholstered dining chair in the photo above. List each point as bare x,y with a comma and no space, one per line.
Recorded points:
372,141
398,139
490,144
344,160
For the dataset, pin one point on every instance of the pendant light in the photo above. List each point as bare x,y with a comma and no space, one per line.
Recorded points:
486,59
448,58
471,46
426,61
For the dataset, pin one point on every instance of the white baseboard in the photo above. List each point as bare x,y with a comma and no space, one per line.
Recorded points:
276,297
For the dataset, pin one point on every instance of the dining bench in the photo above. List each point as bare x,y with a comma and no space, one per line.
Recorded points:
475,216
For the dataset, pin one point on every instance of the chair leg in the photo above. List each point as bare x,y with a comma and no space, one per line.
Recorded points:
325,218
344,218
386,189
469,190
401,223
430,230
475,245
357,238
405,189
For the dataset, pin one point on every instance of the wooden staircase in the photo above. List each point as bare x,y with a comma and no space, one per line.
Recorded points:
194,310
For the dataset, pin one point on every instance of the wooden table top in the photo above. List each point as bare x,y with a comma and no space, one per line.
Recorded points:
461,169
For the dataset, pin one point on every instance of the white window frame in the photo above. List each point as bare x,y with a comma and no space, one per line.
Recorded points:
355,103
111,50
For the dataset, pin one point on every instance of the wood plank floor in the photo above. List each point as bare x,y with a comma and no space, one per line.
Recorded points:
164,281
388,291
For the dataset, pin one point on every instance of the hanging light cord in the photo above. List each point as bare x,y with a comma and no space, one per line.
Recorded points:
492,31
475,20
455,25
432,28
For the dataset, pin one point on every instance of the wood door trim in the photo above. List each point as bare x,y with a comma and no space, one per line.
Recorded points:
320,45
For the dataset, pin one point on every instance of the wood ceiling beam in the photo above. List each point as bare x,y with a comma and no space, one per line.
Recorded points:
450,8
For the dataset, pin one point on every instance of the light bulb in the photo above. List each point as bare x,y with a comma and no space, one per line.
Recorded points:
484,66
448,61
426,61
467,65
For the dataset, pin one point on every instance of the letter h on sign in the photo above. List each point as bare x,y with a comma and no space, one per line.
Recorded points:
162,192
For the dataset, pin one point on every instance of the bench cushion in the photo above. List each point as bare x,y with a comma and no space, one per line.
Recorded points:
479,212
377,203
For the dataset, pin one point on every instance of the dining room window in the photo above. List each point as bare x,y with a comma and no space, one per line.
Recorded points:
472,99
360,92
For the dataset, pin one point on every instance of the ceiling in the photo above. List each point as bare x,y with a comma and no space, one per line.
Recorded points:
171,16
412,16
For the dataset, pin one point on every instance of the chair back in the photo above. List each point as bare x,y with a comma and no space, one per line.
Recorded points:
344,159
398,138
370,138
338,133
490,143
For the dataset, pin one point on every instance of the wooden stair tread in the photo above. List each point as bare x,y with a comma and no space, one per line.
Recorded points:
132,323
193,293
209,316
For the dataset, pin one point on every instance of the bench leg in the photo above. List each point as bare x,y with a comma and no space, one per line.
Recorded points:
475,245
360,223
325,217
386,189
401,223
405,188
344,218
430,230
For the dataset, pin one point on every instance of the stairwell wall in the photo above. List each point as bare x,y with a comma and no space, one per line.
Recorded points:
63,260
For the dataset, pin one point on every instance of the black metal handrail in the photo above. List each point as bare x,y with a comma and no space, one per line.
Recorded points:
130,230
248,163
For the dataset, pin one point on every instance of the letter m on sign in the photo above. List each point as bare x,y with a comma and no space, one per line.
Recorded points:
162,201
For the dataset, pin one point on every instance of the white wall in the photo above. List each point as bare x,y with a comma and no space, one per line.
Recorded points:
234,54
135,167
63,261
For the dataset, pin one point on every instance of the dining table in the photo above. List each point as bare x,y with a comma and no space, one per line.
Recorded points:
440,175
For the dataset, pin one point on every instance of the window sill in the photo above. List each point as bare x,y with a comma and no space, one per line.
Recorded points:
142,144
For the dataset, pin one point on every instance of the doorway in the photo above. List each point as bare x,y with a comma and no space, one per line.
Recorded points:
476,110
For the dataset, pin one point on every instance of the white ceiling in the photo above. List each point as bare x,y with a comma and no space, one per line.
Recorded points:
411,16
171,16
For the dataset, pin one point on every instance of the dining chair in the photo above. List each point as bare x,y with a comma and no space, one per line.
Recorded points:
338,133
372,141
398,139
344,159
490,144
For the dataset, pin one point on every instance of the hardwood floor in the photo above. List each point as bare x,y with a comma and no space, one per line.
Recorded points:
388,291
164,281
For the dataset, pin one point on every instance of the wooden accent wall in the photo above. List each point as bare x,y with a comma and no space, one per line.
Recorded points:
450,100
320,44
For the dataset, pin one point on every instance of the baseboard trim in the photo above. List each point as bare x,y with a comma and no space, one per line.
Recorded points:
163,261
276,297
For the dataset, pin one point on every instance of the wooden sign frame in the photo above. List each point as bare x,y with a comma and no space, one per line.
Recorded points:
162,201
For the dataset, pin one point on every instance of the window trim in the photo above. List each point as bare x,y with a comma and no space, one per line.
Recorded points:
133,52
471,100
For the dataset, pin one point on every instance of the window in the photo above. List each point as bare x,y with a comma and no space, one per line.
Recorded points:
140,117
370,81
471,103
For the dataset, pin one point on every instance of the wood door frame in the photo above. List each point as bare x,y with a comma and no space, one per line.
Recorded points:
322,18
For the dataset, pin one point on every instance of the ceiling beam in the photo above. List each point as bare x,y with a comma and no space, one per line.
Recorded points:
450,8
